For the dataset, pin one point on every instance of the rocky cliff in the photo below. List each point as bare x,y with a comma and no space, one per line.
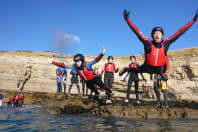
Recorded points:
31,71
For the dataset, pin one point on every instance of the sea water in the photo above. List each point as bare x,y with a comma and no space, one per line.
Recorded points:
37,119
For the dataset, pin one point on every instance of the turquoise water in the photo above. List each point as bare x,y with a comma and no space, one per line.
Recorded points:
36,119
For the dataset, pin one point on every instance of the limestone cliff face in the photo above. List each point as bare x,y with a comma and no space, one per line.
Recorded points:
32,72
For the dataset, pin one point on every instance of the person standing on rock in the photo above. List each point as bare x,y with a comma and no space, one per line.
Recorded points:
85,72
133,77
64,80
1,98
109,69
161,84
21,99
59,79
156,49
74,80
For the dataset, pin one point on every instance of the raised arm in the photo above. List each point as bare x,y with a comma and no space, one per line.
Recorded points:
96,60
181,31
134,28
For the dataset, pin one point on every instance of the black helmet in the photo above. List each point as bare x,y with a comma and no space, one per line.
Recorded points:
110,57
132,56
157,29
78,57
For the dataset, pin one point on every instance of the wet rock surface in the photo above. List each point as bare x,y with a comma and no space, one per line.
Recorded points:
64,104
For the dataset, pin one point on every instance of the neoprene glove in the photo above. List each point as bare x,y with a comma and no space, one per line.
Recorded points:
196,16
126,14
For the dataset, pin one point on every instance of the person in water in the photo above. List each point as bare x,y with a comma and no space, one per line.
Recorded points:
133,77
160,84
85,72
16,100
156,49
21,99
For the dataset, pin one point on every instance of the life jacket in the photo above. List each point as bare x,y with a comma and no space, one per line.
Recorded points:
10,100
156,57
59,72
16,98
110,67
132,65
85,74
22,97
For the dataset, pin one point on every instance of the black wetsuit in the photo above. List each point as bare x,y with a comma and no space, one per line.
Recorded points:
147,45
133,77
74,80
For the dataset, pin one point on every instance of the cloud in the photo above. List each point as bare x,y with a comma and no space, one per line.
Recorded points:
65,41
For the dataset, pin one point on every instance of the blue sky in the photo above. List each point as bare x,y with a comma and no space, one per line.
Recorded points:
85,26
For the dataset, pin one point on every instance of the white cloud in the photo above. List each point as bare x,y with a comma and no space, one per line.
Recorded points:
65,41
71,38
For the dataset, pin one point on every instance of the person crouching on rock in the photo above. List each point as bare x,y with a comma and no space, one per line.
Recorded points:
21,99
161,84
133,77
85,72
156,49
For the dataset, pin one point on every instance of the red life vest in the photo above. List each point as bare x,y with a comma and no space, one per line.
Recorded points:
85,74
22,97
133,65
156,57
16,98
110,67
58,72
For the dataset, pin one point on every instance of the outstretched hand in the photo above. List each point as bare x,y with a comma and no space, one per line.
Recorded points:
196,16
126,14
103,50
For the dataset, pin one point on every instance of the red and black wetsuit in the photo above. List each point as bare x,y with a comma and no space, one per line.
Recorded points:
86,73
153,65
109,70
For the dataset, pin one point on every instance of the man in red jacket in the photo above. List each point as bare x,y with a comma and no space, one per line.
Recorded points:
156,49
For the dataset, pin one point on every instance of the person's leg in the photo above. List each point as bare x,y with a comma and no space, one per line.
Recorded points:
165,98
111,80
83,87
136,90
64,85
71,84
128,88
77,84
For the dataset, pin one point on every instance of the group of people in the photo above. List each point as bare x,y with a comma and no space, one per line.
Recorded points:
156,62
17,100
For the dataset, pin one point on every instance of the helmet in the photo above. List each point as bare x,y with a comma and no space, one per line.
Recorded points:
157,29
78,57
96,67
132,56
110,57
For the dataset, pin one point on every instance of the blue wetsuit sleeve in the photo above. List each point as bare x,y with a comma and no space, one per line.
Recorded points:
90,64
